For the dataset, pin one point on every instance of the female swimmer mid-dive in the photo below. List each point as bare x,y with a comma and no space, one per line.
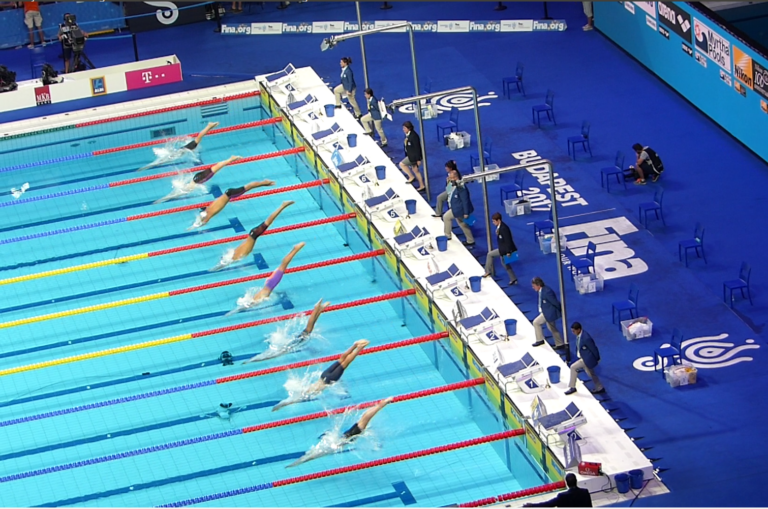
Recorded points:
332,443
328,377
165,155
182,187
294,343
244,249
219,203
252,298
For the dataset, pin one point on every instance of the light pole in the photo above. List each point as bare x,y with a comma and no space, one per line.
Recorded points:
362,44
333,40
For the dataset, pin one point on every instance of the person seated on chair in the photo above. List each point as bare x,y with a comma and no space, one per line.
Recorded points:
459,208
573,497
506,248
648,164
373,117
443,197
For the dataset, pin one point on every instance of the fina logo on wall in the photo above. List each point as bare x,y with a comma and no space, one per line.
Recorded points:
711,44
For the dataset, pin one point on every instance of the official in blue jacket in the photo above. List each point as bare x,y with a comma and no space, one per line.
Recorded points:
549,312
373,117
589,358
347,87
506,247
459,208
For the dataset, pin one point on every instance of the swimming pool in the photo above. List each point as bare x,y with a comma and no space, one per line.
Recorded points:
140,425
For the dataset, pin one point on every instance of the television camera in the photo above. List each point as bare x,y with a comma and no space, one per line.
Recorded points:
72,36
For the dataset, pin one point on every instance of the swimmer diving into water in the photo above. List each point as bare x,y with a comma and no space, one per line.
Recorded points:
328,377
251,298
182,187
332,443
295,343
244,249
219,203
165,155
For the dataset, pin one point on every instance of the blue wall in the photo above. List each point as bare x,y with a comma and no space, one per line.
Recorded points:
705,74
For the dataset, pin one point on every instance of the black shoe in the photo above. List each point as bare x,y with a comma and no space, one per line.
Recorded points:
469,244
598,391
655,177
570,391
538,343
513,283
559,347
358,117
337,107
437,215
384,145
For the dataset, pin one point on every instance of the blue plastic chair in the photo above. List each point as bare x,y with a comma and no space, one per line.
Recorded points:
582,139
674,352
548,108
543,227
626,305
450,126
696,243
652,206
613,171
584,264
739,284
487,147
515,189
516,80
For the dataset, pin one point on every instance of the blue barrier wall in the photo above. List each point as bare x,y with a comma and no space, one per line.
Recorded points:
716,72
91,16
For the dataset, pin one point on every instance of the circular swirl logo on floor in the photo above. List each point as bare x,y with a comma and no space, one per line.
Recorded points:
705,353
462,101
168,12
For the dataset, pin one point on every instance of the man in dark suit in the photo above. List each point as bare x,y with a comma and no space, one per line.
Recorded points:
459,208
549,312
373,117
506,247
589,357
410,164
573,497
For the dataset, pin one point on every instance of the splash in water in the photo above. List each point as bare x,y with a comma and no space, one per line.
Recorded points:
287,338
183,185
250,301
174,151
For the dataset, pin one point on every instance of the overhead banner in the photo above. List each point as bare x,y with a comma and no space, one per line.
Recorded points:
165,14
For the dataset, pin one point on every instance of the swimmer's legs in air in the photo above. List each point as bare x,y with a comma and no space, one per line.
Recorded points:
219,203
201,135
198,179
246,247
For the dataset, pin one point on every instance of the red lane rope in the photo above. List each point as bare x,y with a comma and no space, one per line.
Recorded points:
280,229
401,457
162,141
294,187
194,169
290,270
516,494
215,100
265,321
362,406
329,358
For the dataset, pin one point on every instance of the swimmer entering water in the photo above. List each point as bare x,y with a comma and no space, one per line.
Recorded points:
294,343
164,156
328,377
246,247
219,203
250,299
332,443
184,188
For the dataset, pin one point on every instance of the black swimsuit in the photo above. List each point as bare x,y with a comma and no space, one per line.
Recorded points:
333,373
353,432
192,145
234,193
255,233
203,176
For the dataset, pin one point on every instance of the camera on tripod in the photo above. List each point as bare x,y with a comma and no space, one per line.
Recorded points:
71,34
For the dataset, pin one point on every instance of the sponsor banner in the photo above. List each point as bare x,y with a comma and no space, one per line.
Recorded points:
424,26
485,26
240,29
552,25
740,88
432,26
712,44
452,26
154,76
630,7
764,106
516,25
687,50
43,95
295,28
760,75
676,19
742,67
663,31
165,14
266,28
98,86
726,78
650,22
384,24
327,27
701,59
648,7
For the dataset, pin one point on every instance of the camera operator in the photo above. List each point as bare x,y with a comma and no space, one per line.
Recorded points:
72,38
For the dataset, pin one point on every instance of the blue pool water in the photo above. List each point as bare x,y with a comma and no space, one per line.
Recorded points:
207,467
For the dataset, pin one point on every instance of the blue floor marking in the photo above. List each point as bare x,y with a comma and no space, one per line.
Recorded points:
233,223
88,138
130,286
215,191
131,431
401,491
171,480
261,263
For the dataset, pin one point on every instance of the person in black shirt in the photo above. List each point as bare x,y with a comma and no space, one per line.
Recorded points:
410,164
506,247
573,497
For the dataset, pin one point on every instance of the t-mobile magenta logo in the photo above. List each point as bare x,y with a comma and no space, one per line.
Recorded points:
146,76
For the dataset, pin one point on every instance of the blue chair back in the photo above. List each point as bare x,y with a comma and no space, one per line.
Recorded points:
454,117
634,293
487,146
428,86
745,272
658,196
677,341
698,233
591,250
520,177
549,101
618,161
519,71
585,129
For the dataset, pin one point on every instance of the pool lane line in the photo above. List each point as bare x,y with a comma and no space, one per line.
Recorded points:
147,178
234,223
184,291
351,468
157,213
185,337
182,388
205,383
155,111
238,431
528,492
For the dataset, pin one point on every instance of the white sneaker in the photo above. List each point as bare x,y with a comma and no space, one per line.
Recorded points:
31,46
587,27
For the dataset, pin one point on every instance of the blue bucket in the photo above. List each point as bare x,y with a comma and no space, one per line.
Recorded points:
442,243
622,483
636,479
329,110
511,326
352,140
381,172
410,206
554,374
475,282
